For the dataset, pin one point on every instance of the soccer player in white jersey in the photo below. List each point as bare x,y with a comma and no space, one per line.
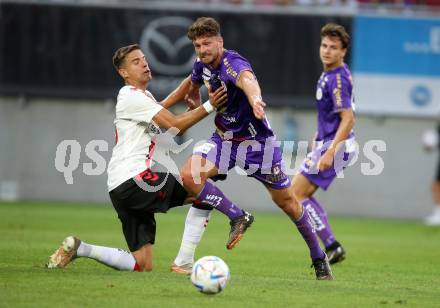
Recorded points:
137,186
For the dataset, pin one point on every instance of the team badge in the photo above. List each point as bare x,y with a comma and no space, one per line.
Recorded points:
318,93
276,175
153,129
207,72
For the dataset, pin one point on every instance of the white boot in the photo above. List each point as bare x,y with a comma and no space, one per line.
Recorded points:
434,218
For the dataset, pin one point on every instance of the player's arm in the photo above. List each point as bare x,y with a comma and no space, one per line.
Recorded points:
249,84
344,129
178,94
182,122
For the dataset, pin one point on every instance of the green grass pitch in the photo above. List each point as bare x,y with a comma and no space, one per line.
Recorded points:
389,263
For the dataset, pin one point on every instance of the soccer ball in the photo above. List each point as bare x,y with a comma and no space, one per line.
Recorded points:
210,275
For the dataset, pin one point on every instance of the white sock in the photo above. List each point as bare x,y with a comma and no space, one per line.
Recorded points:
195,225
114,257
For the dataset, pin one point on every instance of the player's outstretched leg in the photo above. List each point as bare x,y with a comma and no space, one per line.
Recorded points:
195,224
285,200
72,248
317,213
195,174
65,254
240,220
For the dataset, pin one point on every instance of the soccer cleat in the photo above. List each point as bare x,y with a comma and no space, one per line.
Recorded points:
336,254
65,254
323,270
238,228
184,269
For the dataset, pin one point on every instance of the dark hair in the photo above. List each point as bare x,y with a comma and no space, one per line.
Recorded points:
121,53
335,30
203,26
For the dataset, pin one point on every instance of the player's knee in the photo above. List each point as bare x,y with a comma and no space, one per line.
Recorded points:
297,193
192,182
283,201
187,178
288,204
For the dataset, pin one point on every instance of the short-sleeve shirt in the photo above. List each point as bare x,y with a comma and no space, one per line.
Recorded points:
237,117
132,152
334,93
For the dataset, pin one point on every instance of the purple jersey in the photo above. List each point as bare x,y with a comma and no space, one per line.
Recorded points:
333,94
237,117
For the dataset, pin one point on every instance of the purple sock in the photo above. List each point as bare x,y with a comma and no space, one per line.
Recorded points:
210,194
305,227
319,218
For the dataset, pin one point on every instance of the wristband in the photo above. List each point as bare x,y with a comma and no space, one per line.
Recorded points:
208,107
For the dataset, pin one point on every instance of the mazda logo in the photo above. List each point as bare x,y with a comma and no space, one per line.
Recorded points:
168,49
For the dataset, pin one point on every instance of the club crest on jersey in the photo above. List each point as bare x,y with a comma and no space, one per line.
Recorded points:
319,94
207,72
153,129
276,175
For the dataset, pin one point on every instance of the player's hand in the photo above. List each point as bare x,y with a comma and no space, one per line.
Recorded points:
258,108
193,100
218,98
326,160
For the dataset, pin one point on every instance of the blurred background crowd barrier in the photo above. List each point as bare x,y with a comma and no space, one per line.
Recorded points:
57,83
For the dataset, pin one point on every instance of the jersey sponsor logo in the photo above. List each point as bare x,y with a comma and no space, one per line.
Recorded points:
229,69
149,176
230,119
252,130
338,96
166,45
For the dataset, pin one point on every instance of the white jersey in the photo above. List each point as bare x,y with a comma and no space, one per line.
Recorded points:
132,153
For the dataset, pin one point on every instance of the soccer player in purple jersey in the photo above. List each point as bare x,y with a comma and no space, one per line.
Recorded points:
334,141
243,137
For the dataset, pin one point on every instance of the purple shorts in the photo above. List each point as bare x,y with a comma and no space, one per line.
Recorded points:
261,160
342,159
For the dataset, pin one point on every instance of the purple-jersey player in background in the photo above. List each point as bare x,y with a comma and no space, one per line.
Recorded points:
243,137
334,140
